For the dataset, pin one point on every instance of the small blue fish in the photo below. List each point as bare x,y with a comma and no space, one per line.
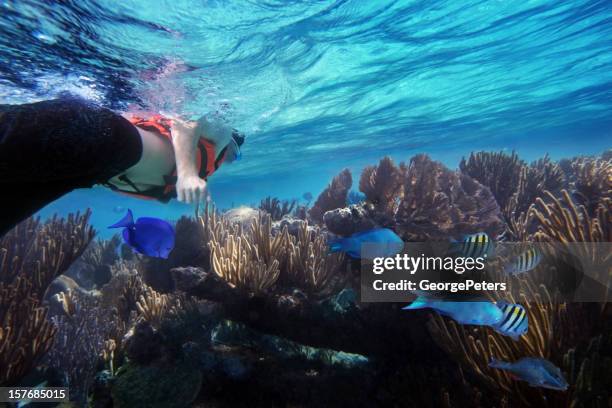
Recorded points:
148,236
22,403
525,262
388,243
538,372
515,321
480,313
477,245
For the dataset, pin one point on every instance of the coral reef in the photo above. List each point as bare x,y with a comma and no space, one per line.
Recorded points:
334,196
252,310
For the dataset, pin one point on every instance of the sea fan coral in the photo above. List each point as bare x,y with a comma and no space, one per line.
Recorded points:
592,181
334,196
498,171
381,185
438,203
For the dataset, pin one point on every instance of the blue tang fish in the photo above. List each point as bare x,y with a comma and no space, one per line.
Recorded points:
538,372
388,243
148,236
515,321
480,313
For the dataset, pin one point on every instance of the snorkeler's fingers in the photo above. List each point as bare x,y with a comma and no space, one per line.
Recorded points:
181,195
203,194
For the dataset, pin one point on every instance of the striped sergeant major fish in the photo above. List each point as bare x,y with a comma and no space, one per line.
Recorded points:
477,245
525,262
515,321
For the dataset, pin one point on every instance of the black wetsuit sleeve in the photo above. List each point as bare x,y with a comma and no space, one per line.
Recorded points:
50,148
65,139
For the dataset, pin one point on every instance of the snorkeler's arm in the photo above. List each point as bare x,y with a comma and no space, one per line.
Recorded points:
190,188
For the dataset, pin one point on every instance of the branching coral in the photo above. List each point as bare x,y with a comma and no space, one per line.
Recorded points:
381,185
309,266
31,256
438,203
498,171
25,333
258,259
153,307
80,341
562,221
334,196
246,260
42,252
277,208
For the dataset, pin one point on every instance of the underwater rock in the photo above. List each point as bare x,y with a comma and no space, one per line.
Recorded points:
145,344
160,386
349,220
187,278
293,225
334,196
101,390
344,300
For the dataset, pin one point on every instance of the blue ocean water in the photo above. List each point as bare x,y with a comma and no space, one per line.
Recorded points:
322,85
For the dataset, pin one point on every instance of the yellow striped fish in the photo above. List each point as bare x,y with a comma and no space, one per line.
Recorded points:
515,321
525,262
476,245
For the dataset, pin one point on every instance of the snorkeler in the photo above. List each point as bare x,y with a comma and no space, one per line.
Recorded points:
48,149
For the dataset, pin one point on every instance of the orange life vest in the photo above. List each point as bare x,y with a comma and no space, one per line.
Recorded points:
206,160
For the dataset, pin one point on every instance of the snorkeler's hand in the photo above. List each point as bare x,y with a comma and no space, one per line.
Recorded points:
191,189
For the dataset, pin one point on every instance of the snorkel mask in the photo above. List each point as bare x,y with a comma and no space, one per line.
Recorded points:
233,148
